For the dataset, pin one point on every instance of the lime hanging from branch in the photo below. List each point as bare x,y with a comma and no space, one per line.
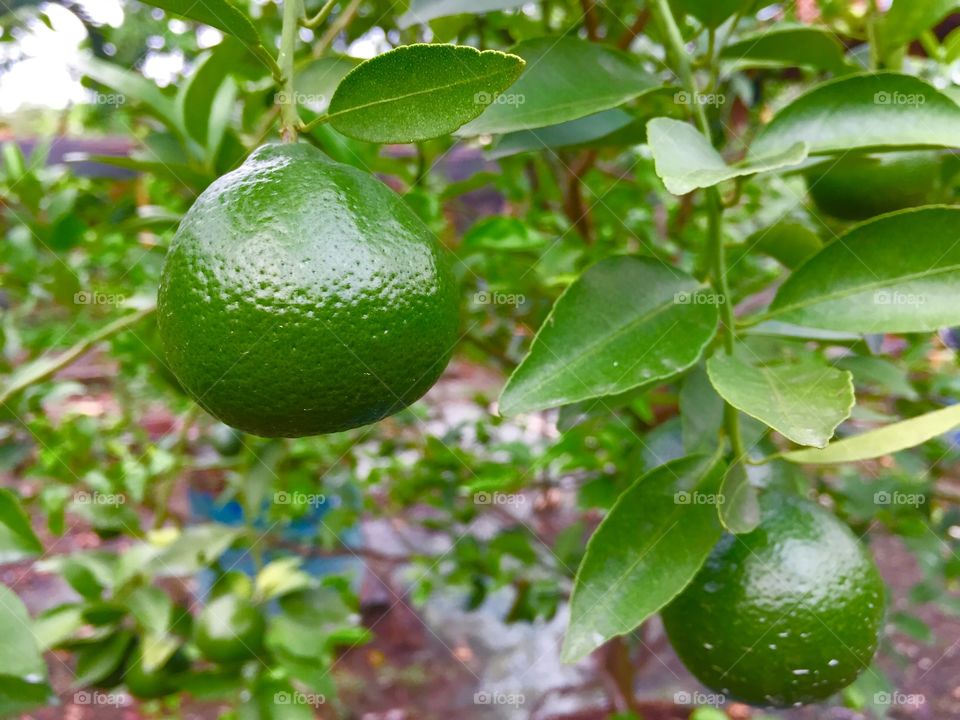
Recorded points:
302,296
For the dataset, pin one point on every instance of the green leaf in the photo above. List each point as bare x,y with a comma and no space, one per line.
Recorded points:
220,14
739,509
23,673
97,661
568,134
897,273
860,112
423,11
883,441
281,577
803,401
685,160
418,92
789,46
17,539
152,608
317,81
555,87
788,242
646,550
701,412
625,322
57,624
196,99
906,20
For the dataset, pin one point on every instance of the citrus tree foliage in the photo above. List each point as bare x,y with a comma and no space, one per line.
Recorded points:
658,282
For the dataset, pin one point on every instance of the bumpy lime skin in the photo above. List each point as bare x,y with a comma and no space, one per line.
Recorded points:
787,614
858,187
301,296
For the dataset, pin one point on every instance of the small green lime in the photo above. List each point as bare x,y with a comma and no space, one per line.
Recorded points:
229,630
150,684
787,614
857,187
302,296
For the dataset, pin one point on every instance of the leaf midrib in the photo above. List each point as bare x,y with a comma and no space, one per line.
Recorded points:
849,291
416,93
657,309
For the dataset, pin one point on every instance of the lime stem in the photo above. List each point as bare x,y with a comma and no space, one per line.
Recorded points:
287,99
715,248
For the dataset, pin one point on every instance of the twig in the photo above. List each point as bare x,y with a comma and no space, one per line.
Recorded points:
630,34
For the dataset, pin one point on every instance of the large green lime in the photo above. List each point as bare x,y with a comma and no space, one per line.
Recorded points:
789,613
857,187
302,296
229,630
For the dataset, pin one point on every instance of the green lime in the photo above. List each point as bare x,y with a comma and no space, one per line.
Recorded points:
857,187
302,296
150,684
787,614
229,630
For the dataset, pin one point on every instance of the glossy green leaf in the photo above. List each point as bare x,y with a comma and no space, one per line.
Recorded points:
569,134
860,112
685,160
418,92
646,550
790,243
423,11
701,412
740,509
897,273
883,441
565,79
220,14
17,539
906,20
625,322
789,46
803,401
